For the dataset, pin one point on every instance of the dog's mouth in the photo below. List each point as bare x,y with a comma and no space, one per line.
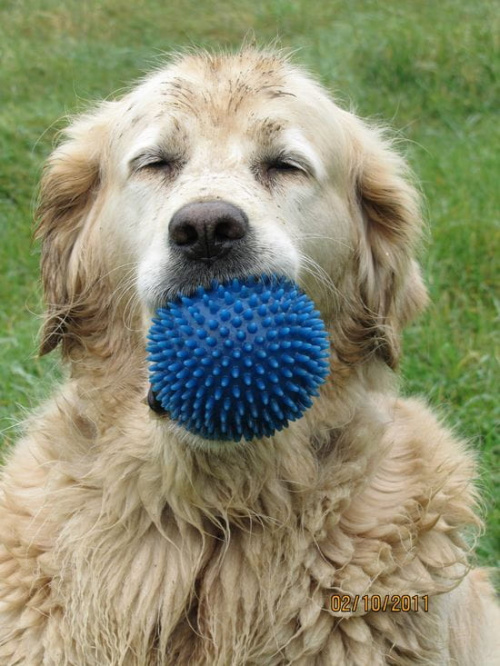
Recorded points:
154,404
183,278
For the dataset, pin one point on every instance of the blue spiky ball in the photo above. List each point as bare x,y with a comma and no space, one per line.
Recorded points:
241,359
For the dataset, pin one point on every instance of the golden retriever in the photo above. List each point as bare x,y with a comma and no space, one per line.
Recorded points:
125,540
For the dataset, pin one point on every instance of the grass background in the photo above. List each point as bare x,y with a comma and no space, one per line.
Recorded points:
430,69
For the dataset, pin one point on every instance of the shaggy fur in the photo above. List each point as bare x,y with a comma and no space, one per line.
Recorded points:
125,541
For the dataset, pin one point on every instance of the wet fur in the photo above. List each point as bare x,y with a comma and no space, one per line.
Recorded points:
127,541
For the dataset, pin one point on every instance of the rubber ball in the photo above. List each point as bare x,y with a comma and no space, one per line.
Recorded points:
238,360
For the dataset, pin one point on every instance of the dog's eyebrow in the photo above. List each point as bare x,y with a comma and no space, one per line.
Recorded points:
147,143
145,156
150,145
296,145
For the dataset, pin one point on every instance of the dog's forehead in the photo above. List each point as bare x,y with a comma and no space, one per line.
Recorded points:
263,90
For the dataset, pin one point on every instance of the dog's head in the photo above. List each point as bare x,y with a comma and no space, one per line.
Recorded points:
220,166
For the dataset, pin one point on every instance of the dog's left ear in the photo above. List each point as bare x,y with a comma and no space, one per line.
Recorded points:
390,283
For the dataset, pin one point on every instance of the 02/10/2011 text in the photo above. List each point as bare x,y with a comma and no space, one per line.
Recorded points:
395,603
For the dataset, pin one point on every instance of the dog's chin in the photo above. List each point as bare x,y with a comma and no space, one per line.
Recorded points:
175,431
217,446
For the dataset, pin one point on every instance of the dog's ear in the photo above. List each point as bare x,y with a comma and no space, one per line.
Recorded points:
389,280
71,272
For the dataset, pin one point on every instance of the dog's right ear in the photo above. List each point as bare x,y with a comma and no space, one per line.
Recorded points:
69,187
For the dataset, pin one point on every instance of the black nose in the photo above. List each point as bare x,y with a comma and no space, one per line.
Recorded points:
207,230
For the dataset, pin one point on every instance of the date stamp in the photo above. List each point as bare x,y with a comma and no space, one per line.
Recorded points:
393,603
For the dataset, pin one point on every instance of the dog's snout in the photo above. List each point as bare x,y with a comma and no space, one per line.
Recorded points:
206,231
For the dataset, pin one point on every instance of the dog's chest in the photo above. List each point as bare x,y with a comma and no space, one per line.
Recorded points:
184,597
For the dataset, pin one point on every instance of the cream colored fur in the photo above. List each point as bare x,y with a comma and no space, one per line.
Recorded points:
125,541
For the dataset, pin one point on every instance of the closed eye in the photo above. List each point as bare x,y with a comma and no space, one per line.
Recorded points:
272,169
284,165
156,162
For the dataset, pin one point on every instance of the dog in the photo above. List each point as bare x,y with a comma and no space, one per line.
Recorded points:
344,539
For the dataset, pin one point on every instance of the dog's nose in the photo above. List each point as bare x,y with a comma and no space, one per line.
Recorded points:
207,230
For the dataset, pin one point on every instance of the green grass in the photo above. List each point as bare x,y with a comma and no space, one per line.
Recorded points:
430,69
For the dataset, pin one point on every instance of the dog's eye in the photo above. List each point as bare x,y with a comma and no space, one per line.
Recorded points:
154,162
160,164
283,166
274,170
157,164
